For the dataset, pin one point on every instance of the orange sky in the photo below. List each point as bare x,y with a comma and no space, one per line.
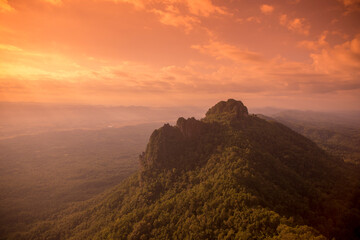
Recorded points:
290,53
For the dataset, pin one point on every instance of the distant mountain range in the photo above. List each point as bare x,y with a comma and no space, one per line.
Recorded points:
30,118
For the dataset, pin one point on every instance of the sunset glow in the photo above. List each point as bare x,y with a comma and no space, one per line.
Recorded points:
291,53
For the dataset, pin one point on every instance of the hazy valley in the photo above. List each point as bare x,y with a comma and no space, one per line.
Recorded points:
51,180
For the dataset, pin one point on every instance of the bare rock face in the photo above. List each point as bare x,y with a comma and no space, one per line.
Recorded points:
163,149
228,111
190,127
168,144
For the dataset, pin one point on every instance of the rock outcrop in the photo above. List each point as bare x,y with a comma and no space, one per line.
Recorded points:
228,111
168,146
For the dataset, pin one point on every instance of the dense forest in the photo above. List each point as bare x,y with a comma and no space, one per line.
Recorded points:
43,173
230,175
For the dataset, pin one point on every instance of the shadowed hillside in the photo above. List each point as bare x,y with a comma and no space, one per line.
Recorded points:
338,133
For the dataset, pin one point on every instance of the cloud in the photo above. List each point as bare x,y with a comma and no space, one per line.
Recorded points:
350,2
221,50
112,82
315,45
172,12
351,5
54,2
138,4
87,60
9,47
253,19
173,17
297,25
283,19
203,8
342,59
5,6
266,9
249,19
23,64
177,13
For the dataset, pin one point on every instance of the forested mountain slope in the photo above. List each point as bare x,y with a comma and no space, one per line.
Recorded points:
230,175
338,134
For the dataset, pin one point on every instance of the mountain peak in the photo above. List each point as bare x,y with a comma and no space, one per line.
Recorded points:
227,111
168,144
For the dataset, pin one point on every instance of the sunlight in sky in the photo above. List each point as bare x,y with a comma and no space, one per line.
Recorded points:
181,52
